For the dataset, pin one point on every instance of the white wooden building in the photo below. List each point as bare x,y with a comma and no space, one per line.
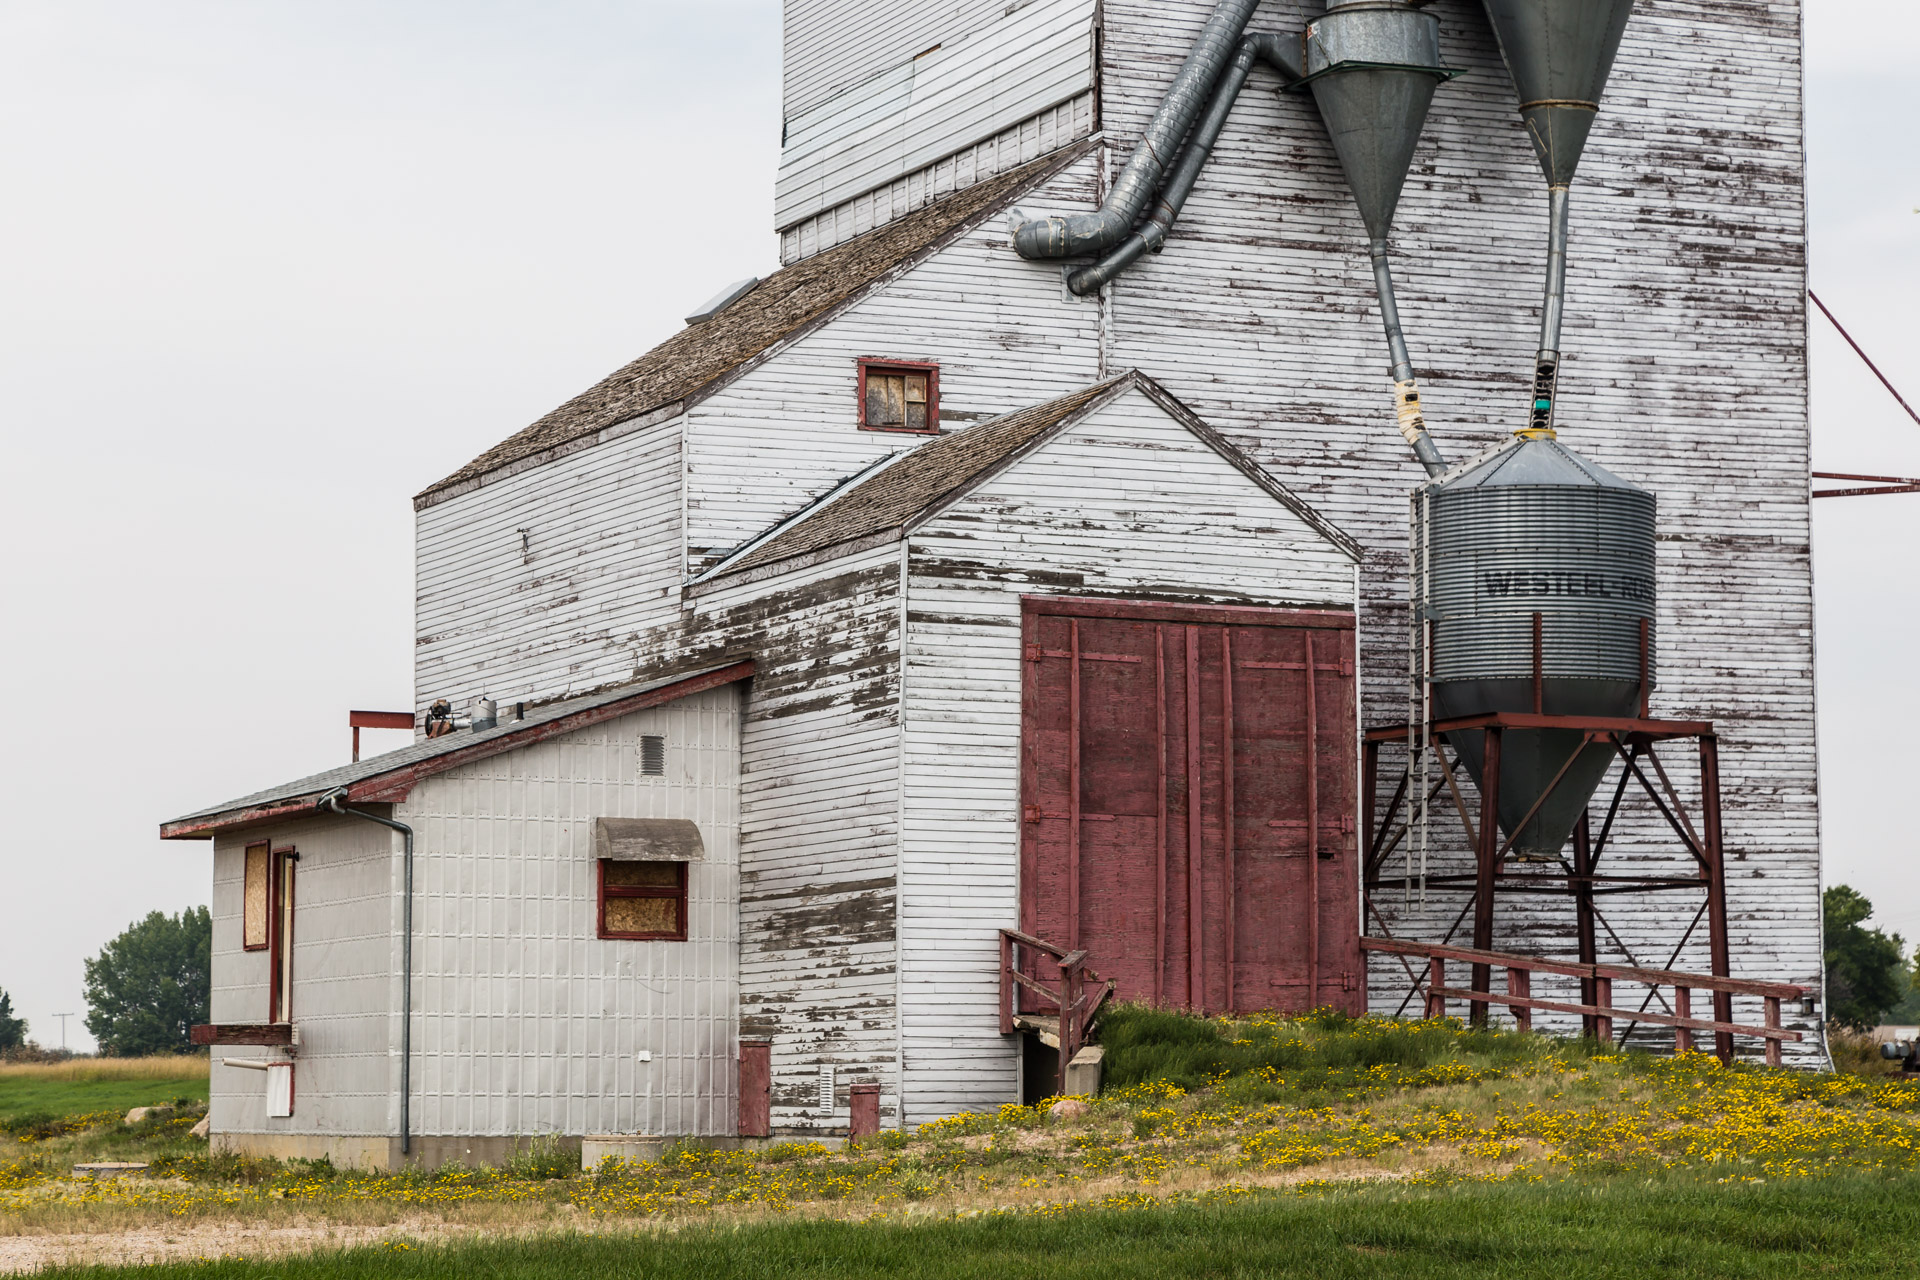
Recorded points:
819,481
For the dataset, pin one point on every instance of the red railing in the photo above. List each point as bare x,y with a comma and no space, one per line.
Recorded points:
1596,982
1079,997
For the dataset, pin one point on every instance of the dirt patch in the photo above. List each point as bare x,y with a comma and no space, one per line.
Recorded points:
207,1241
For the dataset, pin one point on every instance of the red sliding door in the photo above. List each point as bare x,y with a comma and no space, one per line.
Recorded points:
1188,800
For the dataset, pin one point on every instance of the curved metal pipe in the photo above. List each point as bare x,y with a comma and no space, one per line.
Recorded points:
1152,234
331,803
1410,418
1068,237
1546,366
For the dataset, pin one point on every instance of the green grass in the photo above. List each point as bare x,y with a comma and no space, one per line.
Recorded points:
82,1087
1862,1225
1268,1059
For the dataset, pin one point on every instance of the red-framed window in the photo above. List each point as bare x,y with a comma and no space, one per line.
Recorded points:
256,896
899,395
280,934
643,900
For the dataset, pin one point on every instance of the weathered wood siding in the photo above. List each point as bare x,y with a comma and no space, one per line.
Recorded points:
780,435
1125,502
1685,371
346,996
938,100
819,826
526,1021
537,584
1011,147
830,45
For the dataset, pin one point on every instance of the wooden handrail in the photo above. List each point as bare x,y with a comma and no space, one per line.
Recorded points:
1075,1003
1599,979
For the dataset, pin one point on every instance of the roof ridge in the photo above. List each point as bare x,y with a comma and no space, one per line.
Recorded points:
700,358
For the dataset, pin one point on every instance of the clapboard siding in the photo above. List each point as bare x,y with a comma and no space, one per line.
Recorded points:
537,585
820,827
527,1022
1125,502
1686,298
829,45
1038,135
785,432
932,104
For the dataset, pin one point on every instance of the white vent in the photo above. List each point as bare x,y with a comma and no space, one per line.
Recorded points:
826,1088
653,756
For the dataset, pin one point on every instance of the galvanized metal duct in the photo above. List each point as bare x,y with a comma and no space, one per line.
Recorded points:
1147,168
1373,66
1559,53
1275,50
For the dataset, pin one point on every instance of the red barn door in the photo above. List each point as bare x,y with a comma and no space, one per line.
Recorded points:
1188,801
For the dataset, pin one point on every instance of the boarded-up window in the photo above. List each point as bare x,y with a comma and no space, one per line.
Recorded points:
899,397
253,912
643,900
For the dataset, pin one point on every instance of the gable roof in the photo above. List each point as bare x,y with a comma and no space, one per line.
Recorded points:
697,357
390,777
905,489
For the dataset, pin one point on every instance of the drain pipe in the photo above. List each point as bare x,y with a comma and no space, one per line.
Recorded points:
1546,366
1409,416
333,802
1146,171
1152,235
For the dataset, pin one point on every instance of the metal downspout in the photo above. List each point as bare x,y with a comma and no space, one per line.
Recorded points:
1152,235
1146,171
332,803
1410,418
1546,366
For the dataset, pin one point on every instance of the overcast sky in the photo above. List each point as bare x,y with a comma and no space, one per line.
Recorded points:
267,269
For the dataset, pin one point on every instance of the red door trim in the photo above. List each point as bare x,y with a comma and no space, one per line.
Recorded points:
1160,828
1226,811
1196,934
1313,833
1073,792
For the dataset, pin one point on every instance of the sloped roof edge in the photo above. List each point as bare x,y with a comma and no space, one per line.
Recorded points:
701,359
388,778
788,544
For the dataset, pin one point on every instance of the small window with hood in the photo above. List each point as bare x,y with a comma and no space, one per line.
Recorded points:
899,396
646,900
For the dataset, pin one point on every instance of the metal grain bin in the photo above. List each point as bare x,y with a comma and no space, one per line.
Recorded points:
1535,529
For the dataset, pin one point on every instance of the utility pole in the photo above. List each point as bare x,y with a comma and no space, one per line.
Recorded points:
63,1029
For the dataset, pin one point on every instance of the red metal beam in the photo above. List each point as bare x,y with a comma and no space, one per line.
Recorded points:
1653,729
264,1033
394,785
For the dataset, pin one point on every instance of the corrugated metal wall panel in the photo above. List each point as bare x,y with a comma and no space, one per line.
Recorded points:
1126,502
933,103
526,1021
343,990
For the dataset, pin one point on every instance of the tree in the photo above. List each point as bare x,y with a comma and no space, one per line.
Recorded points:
148,986
1866,970
13,1031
